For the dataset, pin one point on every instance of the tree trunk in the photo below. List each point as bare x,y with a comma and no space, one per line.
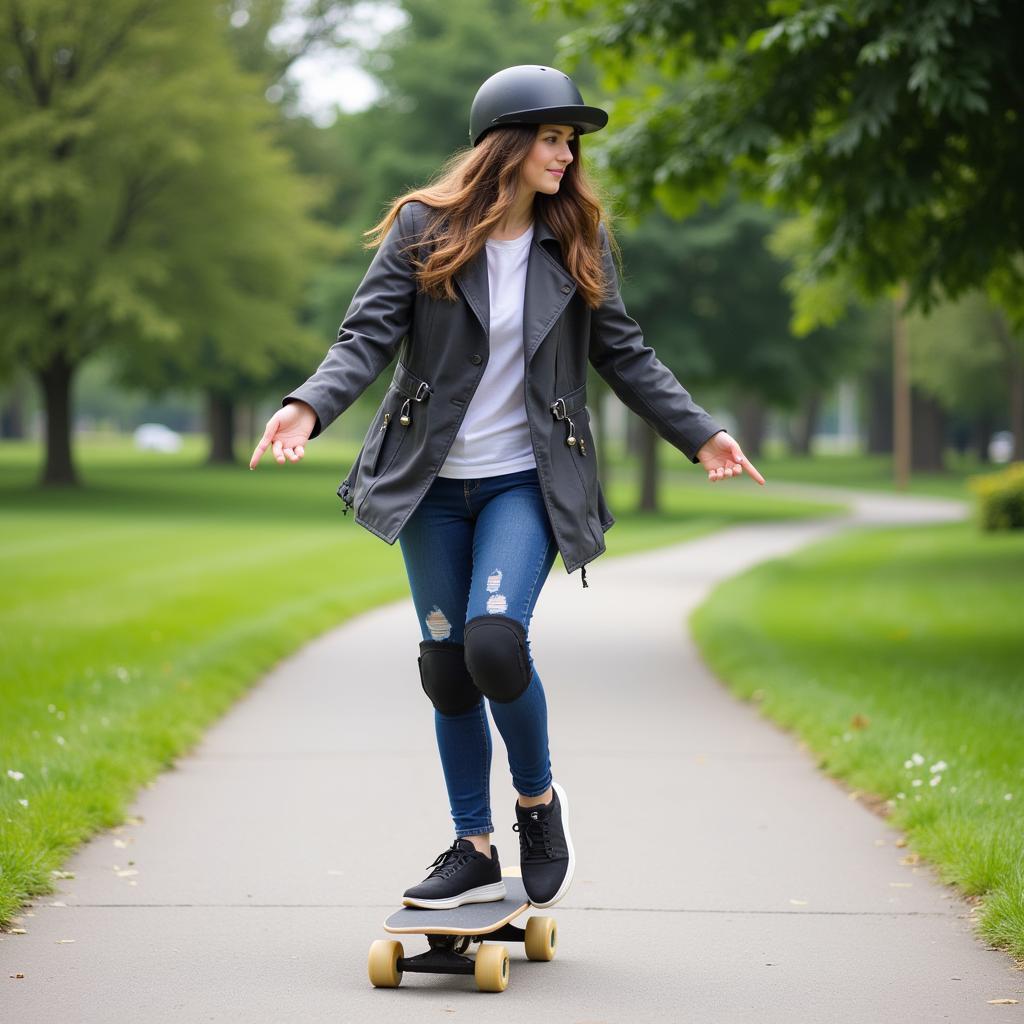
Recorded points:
981,434
1013,350
12,416
55,381
928,431
902,417
805,423
221,428
648,469
752,416
1016,384
877,385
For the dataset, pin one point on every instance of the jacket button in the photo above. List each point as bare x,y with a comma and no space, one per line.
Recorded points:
476,359
566,288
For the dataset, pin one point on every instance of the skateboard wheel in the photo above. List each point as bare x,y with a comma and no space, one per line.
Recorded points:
491,969
541,937
383,963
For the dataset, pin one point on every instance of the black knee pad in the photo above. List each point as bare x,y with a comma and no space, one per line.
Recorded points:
496,656
445,678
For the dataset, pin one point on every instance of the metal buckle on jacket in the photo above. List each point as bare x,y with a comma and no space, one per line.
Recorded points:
554,409
422,390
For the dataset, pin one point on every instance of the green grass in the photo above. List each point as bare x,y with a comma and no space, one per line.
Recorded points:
138,608
867,472
878,646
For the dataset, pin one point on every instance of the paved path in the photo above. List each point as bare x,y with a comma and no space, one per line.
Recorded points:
721,878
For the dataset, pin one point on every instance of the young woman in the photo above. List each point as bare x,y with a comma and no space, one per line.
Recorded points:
498,283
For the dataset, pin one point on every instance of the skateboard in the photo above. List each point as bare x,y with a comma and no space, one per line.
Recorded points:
451,933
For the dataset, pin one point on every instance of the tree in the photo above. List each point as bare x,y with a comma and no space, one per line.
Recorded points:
898,123
709,294
141,200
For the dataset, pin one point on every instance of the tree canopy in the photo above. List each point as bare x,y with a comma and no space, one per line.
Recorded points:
899,123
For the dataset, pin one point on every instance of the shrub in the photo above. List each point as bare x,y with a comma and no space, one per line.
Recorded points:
1001,498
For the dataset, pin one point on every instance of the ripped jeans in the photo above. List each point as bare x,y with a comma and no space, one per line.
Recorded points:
471,548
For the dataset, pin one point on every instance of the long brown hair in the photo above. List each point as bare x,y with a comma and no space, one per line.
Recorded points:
473,191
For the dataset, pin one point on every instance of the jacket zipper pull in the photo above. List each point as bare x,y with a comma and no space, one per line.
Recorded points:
387,420
583,447
571,439
404,419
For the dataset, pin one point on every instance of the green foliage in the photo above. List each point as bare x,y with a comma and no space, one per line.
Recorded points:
1001,498
145,204
900,124
709,295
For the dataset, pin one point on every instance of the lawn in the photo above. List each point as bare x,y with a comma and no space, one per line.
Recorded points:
897,655
867,472
139,607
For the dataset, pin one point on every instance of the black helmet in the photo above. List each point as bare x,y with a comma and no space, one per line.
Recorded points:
531,94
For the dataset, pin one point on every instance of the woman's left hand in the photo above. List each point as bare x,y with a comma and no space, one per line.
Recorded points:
721,457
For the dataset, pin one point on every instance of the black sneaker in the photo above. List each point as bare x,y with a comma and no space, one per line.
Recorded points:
545,848
461,875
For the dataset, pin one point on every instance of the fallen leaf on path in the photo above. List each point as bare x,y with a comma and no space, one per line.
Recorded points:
911,858
1003,1002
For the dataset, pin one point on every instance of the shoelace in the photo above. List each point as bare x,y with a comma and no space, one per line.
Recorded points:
535,839
449,861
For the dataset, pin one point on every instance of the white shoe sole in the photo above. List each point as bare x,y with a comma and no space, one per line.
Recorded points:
563,802
481,894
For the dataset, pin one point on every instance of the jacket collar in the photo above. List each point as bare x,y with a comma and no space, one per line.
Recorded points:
549,287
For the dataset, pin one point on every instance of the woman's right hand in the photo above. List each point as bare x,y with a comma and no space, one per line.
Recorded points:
287,431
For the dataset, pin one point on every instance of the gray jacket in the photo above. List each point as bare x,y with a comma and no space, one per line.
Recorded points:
444,350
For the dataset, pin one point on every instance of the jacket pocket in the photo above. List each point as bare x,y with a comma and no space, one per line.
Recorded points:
381,424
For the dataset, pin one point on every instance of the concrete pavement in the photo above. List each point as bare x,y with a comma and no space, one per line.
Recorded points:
721,878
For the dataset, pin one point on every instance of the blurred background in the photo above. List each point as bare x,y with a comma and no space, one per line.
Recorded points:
831,269
820,213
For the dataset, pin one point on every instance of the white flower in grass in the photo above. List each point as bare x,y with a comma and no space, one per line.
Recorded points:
60,740
917,758
901,796
934,780
908,764
939,766
17,776
916,782
1007,796
24,803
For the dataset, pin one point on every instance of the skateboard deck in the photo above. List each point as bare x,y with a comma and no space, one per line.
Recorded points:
451,933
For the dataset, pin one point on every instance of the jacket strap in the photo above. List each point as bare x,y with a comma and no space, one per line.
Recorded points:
406,382
562,408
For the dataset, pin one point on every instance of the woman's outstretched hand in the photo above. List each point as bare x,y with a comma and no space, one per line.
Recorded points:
721,457
287,431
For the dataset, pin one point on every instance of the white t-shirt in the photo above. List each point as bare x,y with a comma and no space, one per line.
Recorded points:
494,436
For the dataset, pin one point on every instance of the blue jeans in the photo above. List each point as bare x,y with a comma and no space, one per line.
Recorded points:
479,547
